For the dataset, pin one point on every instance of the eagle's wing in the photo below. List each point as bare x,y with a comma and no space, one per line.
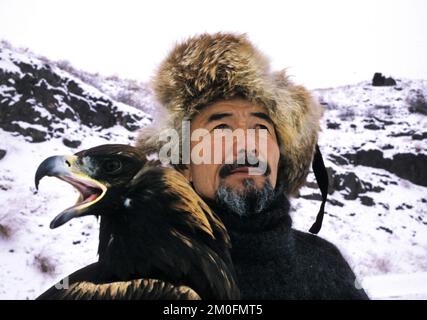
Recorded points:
85,284
139,289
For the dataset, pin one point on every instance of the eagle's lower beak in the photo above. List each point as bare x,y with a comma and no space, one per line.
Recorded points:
66,169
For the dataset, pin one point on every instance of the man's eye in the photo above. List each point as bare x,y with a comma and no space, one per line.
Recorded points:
112,166
221,126
261,126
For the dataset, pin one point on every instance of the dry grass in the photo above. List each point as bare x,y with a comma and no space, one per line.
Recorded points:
347,114
382,265
5,231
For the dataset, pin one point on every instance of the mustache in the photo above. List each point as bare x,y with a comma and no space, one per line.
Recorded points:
226,169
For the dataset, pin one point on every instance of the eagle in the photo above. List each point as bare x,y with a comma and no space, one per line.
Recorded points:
157,239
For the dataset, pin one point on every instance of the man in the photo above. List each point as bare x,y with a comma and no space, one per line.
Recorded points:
221,82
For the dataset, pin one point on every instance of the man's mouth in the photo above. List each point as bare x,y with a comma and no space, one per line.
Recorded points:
240,170
244,169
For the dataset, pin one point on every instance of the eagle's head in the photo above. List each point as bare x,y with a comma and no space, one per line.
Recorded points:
98,174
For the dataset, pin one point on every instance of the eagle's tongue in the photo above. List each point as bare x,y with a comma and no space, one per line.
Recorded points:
92,197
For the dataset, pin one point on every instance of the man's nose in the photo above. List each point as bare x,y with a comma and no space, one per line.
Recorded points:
248,147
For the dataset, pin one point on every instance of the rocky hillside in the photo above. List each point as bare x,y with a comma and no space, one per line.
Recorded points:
41,100
374,143
49,108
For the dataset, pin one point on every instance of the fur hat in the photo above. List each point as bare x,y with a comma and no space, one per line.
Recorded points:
212,67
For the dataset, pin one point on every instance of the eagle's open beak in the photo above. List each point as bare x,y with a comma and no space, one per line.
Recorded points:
66,169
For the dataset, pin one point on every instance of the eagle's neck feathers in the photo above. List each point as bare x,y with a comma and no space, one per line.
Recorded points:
164,230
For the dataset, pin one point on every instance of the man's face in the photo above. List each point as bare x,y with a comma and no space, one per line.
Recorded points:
236,114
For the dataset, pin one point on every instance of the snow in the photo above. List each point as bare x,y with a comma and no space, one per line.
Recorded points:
28,214
9,57
361,102
8,66
383,240
25,125
6,90
86,88
397,286
386,243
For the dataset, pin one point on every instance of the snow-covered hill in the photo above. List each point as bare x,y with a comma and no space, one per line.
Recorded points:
46,110
373,141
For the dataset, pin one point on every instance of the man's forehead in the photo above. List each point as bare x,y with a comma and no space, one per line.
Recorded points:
234,108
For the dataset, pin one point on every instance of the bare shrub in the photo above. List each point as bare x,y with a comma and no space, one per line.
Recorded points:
89,78
5,231
44,264
382,265
417,103
125,97
347,114
5,44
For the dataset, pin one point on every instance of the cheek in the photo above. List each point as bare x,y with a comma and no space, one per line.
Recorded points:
204,178
273,156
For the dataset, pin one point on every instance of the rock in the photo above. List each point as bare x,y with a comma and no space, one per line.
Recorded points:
45,95
313,196
318,197
373,126
335,203
385,122
338,160
418,136
405,165
333,125
2,153
387,147
312,185
404,206
33,134
349,185
402,134
390,82
367,201
25,85
385,229
387,182
44,99
71,143
73,87
379,80
384,205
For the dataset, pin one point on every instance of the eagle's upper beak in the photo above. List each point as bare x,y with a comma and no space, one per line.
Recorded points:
67,169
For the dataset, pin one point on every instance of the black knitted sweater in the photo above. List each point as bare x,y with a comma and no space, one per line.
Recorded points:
274,261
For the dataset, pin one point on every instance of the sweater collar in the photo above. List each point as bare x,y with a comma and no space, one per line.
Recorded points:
276,215
261,236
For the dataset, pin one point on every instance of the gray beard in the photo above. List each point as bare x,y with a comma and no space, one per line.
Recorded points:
248,202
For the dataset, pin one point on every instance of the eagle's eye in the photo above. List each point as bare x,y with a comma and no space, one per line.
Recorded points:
112,166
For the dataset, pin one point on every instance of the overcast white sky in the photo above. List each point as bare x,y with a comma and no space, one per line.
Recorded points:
322,43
